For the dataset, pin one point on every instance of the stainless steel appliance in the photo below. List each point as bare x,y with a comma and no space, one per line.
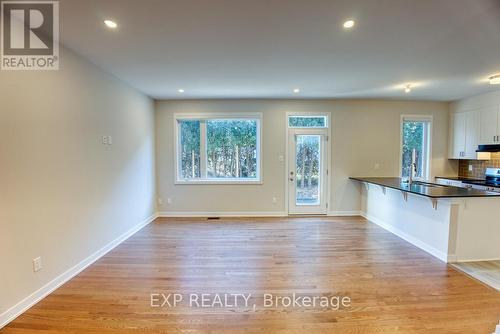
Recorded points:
491,183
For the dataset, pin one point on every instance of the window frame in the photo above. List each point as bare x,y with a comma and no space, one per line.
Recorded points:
427,146
326,116
203,117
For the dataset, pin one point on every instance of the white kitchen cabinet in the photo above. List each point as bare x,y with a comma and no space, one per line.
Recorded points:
464,135
472,134
457,146
489,125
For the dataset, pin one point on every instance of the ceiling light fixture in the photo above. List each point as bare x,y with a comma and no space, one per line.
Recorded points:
408,88
349,24
296,90
180,90
495,79
110,24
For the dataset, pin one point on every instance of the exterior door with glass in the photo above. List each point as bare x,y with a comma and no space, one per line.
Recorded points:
307,171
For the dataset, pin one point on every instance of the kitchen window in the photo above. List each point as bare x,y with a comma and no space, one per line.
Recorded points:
416,137
221,149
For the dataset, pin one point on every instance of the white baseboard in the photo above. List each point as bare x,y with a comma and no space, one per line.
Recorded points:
222,214
246,213
343,213
422,245
48,288
457,260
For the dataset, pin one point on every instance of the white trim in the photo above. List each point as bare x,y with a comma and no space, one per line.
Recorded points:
203,117
428,142
418,243
457,260
221,181
344,213
171,214
48,288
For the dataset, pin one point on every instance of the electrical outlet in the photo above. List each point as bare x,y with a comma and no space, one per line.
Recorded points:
37,264
110,140
471,168
376,167
169,201
275,200
160,201
281,158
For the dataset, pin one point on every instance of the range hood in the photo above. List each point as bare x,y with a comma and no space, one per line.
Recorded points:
489,148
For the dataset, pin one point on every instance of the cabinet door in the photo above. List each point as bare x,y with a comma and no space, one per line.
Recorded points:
472,120
489,125
458,137
498,124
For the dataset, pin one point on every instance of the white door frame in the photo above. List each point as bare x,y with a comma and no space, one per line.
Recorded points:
327,158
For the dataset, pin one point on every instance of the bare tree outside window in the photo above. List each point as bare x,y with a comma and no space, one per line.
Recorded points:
218,149
415,137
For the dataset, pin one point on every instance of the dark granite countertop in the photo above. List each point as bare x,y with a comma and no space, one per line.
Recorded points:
459,178
431,190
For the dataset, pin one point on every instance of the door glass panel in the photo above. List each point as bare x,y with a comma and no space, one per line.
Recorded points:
308,159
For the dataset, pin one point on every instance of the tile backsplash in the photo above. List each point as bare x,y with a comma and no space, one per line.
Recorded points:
478,166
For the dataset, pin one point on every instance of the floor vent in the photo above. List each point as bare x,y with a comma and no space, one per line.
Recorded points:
213,218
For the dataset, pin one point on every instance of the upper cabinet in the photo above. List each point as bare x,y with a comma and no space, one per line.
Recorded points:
472,134
457,147
464,135
490,125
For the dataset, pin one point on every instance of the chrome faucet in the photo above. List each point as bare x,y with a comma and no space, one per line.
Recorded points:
413,167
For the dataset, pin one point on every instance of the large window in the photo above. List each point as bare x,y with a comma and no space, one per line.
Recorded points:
416,141
222,148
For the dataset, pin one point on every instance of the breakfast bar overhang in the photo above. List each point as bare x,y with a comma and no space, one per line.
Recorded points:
446,222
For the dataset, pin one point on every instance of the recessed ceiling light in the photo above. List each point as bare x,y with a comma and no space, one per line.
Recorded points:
296,90
180,90
495,79
407,88
349,24
110,24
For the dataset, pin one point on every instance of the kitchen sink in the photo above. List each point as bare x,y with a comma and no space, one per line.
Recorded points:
427,184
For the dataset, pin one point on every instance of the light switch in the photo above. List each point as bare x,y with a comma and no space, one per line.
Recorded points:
37,264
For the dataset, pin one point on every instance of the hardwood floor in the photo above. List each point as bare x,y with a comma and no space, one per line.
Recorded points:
393,286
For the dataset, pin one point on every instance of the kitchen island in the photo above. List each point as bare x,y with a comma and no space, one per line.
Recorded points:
453,224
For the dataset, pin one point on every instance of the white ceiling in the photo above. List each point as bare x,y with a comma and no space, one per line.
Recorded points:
266,48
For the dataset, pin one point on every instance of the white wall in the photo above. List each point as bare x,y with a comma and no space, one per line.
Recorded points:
64,195
364,133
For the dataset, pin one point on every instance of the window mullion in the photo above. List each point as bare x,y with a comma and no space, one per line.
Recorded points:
203,149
